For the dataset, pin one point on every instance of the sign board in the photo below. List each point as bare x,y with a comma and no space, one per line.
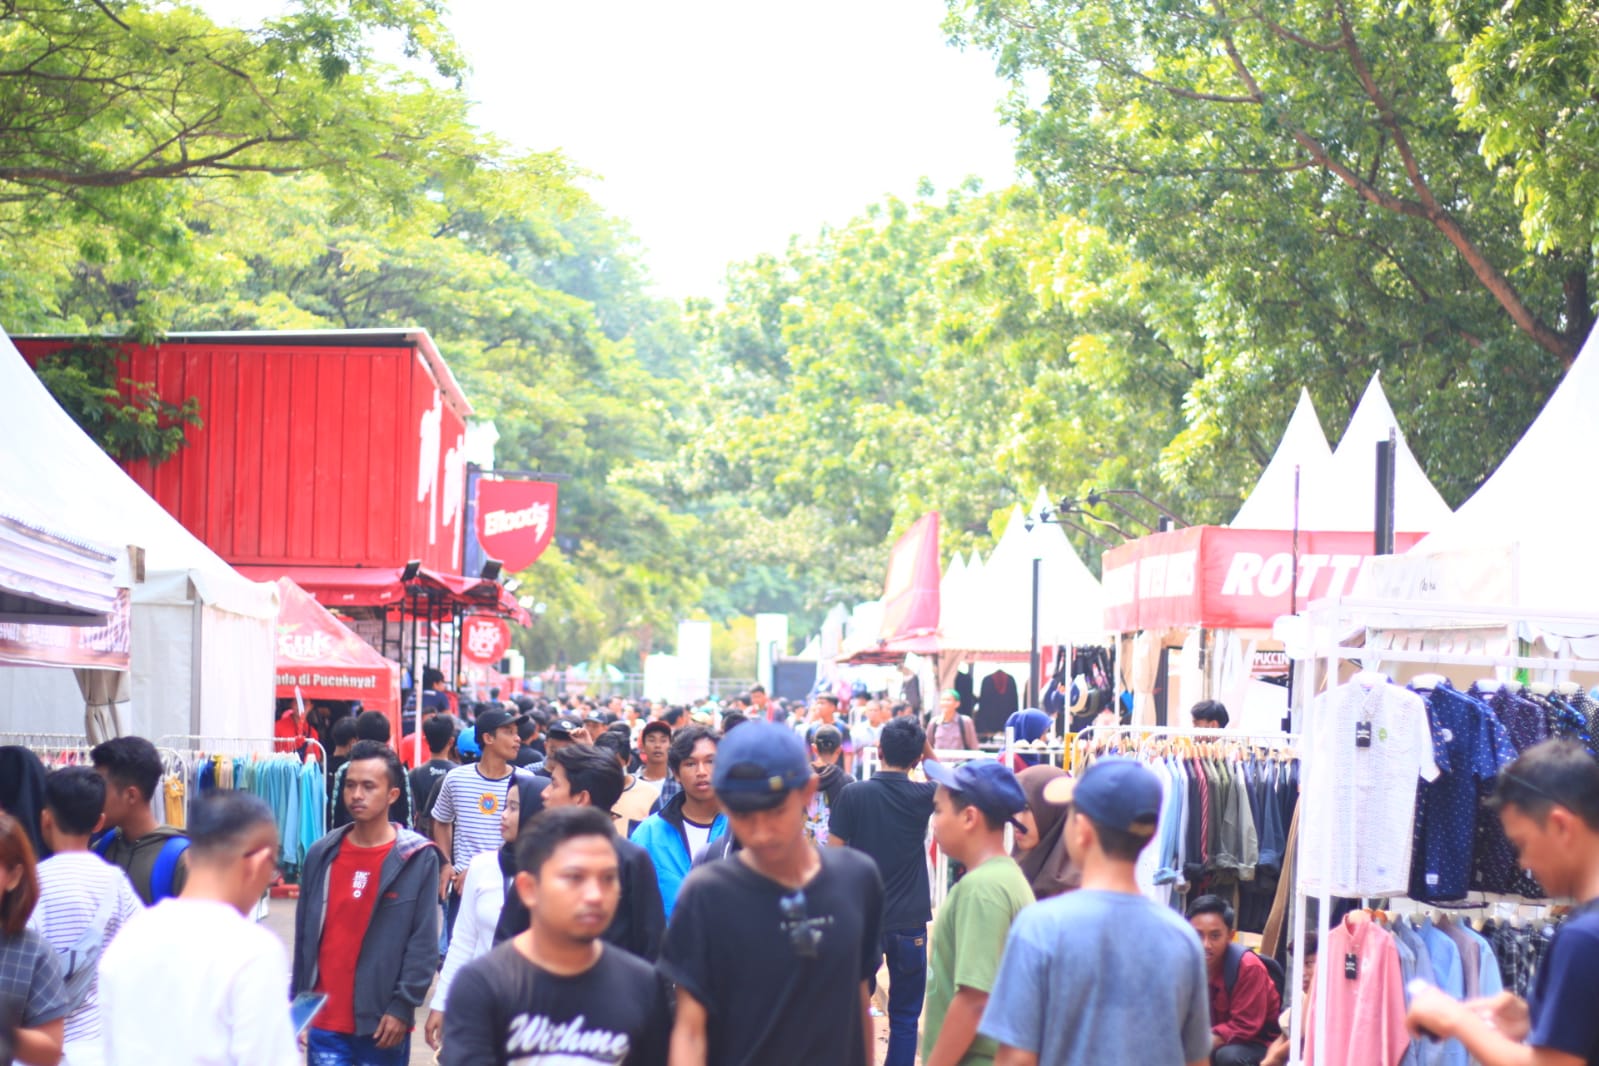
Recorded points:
485,639
515,520
1229,578
104,647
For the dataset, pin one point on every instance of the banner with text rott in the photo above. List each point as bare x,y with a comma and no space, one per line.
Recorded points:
515,520
1228,578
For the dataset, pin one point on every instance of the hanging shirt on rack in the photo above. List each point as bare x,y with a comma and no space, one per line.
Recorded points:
1372,742
1365,1000
997,700
1469,746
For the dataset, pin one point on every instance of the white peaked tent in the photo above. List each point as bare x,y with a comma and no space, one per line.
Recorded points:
1303,446
994,612
1526,538
202,636
1349,502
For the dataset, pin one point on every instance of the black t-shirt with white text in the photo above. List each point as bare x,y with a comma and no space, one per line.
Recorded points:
506,1011
886,817
730,946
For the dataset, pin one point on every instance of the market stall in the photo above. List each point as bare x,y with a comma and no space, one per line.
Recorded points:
320,658
197,641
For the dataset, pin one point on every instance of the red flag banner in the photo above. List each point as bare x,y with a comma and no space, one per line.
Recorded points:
515,520
910,595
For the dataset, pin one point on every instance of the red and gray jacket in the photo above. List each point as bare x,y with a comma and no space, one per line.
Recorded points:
400,951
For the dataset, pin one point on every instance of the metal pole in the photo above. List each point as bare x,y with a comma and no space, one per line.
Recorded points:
1384,524
1032,661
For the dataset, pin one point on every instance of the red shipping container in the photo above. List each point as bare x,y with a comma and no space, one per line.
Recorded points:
340,448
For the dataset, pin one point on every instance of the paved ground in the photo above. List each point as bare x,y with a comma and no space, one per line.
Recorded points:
280,920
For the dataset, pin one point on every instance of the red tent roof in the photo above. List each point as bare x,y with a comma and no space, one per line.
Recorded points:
380,586
324,659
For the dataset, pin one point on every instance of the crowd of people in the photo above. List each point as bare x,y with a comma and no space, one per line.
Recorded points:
573,883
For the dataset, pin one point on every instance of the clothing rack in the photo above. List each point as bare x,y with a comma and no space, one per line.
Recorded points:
53,741
239,745
1332,621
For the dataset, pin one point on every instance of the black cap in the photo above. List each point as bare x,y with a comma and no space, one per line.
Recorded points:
597,717
493,718
565,726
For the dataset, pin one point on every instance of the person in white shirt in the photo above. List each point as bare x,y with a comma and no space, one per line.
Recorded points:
193,981
83,901
482,899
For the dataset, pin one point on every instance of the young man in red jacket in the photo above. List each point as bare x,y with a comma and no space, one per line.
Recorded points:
1244,1001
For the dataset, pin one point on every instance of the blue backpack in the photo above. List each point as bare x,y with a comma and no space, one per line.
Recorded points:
166,864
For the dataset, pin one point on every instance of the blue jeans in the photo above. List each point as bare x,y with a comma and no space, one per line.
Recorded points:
341,1049
906,951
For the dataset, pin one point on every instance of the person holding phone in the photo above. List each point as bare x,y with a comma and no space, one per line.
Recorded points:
1548,802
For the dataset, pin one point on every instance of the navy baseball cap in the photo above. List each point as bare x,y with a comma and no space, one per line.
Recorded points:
490,720
565,727
989,786
757,765
1116,793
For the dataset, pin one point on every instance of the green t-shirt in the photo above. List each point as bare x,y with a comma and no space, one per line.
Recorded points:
968,940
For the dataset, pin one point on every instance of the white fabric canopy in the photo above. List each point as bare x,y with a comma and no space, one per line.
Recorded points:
202,635
993,612
1303,446
1349,502
1526,536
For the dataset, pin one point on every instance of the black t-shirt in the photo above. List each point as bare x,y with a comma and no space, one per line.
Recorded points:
729,945
423,780
886,817
505,1010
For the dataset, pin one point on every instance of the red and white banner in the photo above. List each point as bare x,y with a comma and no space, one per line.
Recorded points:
515,520
1228,578
484,638
910,594
105,647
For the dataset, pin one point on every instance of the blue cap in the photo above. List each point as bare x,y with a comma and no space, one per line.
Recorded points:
989,786
1115,793
758,764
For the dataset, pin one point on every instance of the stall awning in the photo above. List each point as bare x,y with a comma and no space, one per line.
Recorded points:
49,578
381,586
1228,578
322,658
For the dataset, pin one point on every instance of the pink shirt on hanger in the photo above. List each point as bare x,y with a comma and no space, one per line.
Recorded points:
1366,1012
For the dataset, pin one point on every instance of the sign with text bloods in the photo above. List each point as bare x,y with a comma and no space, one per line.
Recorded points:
485,639
515,520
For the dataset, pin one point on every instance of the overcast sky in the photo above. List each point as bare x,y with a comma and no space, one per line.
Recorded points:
720,128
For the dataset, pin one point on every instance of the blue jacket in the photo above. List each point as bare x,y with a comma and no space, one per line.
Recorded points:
663,837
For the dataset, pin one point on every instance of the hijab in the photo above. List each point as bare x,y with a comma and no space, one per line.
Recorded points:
1049,869
530,801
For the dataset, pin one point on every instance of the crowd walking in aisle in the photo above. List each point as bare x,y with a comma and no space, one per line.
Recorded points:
753,917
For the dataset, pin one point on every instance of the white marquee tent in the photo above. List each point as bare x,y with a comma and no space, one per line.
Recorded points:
202,635
1303,447
1525,538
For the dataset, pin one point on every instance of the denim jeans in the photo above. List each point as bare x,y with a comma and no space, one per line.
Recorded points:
341,1049
906,952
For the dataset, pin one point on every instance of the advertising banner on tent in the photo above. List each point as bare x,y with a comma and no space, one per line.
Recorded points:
106,647
515,520
318,657
1228,578
485,639
910,595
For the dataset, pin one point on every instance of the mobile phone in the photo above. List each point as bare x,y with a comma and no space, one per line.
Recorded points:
304,1008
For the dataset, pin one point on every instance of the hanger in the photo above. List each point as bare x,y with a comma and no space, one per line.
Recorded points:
1540,688
1568,688
1488,684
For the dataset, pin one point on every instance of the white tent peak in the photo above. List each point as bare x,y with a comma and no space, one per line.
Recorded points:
1468,557
1303,445
1350,505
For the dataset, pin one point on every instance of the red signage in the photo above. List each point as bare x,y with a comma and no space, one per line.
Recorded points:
1228,578
104,647
515,520
910,595
485,639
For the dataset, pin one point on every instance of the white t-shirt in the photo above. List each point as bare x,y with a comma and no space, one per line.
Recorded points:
193,982
1360,801
472,804
72,885
698,836
482,897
